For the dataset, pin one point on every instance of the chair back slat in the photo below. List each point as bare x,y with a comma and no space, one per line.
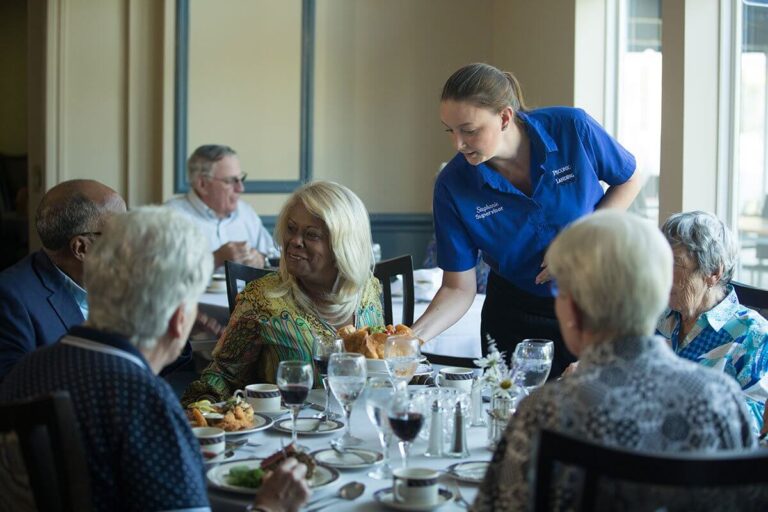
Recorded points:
711,469
384,271
52,450
235,272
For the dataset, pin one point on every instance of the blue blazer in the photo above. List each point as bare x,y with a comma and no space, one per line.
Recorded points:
35,308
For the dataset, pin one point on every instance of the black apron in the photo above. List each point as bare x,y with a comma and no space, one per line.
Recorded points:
511,315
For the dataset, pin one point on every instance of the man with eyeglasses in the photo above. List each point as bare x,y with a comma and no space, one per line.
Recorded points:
42,296
234,230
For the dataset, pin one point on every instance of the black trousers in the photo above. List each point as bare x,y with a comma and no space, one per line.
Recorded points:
511,315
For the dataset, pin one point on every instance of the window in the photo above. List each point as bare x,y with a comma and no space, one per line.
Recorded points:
750,162
638,94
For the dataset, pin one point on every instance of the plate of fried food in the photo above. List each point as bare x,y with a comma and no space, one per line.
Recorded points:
235,416
245,476
370,342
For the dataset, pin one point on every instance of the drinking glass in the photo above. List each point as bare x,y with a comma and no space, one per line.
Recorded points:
402,354
346,376
294,379
322,348
406,417
532,362
379,392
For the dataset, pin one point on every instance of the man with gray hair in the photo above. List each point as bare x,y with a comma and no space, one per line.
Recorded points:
144,278
43,294
233,229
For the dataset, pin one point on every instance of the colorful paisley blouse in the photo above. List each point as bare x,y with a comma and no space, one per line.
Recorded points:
264,331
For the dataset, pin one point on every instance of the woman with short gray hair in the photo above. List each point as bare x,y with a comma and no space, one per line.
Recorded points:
705,322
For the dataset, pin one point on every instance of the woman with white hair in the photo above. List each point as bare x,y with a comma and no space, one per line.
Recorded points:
612,272
325,281
705,322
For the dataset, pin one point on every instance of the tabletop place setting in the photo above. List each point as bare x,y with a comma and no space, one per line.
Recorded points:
356,417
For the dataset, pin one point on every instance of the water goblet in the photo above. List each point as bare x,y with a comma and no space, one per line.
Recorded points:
406,417
322,348
532,362
346,376
402,354
294,379
379,392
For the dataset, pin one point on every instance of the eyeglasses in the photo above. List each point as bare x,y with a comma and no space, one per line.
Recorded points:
231,181
89,233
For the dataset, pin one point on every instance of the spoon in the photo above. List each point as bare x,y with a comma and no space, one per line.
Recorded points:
343,451
349,491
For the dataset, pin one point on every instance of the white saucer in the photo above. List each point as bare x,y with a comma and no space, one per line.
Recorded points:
384,496
352,458
306,426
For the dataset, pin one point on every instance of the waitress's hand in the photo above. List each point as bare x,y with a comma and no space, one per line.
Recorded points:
543,276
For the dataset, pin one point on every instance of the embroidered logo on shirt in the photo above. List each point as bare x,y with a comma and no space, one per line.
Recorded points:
487,210
563,175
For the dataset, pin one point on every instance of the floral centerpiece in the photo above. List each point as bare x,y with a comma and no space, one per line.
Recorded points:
499,377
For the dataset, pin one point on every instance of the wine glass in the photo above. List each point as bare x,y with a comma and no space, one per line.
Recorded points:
346,376
294,379
406,417
532,362
402,354
322,348
379,394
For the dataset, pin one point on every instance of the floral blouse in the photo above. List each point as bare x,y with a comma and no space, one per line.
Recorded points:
730,338
263,331
633,393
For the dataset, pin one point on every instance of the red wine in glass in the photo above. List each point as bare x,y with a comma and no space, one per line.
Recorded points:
294,394
407,426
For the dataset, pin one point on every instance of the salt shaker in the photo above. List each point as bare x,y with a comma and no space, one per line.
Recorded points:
458,446
435,447
476,418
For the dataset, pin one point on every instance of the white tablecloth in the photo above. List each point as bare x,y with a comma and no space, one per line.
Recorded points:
222,501
460,340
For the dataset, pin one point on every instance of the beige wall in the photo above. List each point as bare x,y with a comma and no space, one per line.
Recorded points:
13,74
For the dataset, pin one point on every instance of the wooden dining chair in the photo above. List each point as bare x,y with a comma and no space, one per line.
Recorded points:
235,272
752,297
385,270
48,439
681,474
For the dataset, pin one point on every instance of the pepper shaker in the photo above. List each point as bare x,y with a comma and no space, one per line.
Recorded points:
458,446
435,448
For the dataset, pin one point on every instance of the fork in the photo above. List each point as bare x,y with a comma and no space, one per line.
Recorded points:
459,499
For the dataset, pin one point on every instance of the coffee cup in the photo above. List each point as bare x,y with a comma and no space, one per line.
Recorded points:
211,441
262,397
457,378
415,486
218,283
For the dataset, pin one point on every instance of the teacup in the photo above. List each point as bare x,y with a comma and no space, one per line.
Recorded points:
457,378
218,282
211,441
415,486
262,397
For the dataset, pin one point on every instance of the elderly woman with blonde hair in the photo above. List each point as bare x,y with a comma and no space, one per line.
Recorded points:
325,281
613,273
705,322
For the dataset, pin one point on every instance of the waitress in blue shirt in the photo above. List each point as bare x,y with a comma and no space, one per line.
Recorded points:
520,176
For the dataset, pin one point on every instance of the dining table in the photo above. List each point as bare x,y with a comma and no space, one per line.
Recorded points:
264,443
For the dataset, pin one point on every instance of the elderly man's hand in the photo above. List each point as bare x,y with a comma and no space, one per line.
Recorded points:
285,489
238,252
254,259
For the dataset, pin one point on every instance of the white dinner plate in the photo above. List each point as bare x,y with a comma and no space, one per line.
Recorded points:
217,477
351,458
308,426
385,497
471,472
260,422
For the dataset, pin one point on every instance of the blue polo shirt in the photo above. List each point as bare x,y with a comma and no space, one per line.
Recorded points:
477,209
